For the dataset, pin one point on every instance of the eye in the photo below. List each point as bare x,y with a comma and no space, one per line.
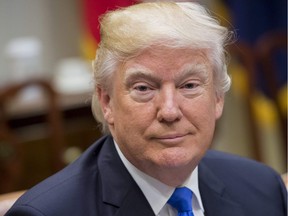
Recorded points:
190,85
192,88
142,88
142,92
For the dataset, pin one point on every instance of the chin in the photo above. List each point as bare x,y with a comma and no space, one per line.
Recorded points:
175,158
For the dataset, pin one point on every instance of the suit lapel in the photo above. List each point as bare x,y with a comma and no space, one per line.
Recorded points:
135,203
215,199
119,189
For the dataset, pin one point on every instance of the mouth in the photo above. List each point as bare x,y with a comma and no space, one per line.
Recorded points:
171,139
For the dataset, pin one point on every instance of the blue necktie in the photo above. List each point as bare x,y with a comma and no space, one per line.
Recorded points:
181,200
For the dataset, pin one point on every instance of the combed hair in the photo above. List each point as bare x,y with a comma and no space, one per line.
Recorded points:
127,32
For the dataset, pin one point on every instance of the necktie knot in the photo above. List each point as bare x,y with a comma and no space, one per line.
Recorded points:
181,200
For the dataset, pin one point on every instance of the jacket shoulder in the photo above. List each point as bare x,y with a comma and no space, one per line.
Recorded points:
71,187
233,166
251,183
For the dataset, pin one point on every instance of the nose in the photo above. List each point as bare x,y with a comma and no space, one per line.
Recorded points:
168,108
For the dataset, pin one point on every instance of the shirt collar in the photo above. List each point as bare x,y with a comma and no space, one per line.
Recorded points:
156,192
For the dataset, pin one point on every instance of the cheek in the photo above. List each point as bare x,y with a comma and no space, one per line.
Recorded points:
129,114
201,110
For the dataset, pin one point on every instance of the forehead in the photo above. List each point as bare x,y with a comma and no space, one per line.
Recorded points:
166,54
164,61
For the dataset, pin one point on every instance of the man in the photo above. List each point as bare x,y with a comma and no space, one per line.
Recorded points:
160,79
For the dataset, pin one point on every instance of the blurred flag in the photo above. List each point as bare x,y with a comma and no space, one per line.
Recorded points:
251,20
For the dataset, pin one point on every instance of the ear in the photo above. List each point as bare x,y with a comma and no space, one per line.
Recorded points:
105,103
219,106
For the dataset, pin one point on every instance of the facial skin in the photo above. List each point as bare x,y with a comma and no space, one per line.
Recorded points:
162,110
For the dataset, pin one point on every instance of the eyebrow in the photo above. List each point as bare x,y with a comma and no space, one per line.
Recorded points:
188,70
140,72
198,69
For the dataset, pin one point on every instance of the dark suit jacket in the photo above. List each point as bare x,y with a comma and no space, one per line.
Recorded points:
98,184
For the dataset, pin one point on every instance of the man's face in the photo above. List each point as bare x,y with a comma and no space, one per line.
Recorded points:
162,109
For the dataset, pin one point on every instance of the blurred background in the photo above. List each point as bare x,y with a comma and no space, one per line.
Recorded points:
46,50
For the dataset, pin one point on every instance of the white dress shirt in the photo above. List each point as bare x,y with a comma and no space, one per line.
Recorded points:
158,193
